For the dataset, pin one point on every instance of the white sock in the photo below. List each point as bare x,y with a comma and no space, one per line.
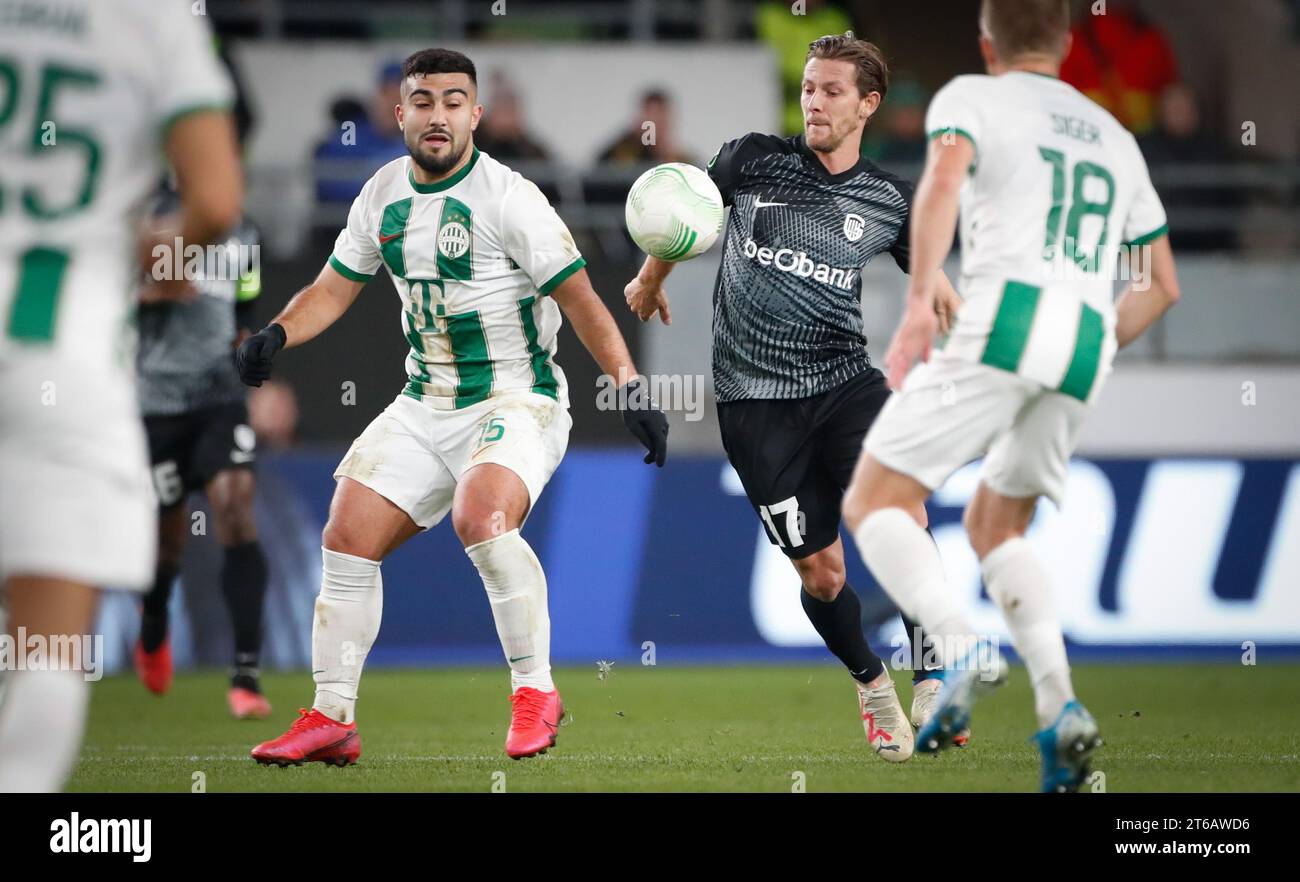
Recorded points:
903,558
348,611
516,588
41,722
1018,584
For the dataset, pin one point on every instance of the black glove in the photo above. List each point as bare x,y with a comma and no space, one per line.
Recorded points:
254,355
644,420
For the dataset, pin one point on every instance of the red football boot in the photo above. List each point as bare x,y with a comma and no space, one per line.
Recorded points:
245,704
313,738
534,721
154,668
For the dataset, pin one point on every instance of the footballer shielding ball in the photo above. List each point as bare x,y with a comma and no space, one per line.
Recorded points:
674,212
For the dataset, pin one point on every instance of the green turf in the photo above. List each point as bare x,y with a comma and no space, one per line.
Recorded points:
1167,727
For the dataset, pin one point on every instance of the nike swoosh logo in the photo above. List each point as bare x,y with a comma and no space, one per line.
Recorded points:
520,658
383,239
759,203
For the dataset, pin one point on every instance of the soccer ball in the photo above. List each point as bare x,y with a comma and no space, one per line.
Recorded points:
674,212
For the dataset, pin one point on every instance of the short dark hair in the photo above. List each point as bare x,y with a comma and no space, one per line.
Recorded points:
436,61
866,57
1025,27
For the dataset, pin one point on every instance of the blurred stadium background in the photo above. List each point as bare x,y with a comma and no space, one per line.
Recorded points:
1181,534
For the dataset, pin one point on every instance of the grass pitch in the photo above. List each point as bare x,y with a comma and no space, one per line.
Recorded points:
1167,727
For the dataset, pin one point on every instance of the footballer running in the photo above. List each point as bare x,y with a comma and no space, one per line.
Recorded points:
796,389
483,267
1028,354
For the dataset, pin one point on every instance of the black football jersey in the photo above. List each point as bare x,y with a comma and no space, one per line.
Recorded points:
787,314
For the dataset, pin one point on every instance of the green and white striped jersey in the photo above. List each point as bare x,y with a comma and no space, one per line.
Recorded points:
88,91
1058,185
473,258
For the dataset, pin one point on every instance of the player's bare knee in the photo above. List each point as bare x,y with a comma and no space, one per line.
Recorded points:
855,508
821,579
341,536
173,532
230,497
987,533
233,520
825,590
920,515
475,522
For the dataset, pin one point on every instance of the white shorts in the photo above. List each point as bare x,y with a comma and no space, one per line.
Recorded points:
951,412
413,455
77,501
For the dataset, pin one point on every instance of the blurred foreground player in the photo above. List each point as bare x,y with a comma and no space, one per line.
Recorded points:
116,81
483,267
1055,186
796,387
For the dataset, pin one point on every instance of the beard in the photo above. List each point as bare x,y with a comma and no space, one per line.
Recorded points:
827,141
434,165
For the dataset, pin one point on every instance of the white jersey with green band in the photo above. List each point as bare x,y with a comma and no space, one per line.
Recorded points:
473,258
88,92
1057,187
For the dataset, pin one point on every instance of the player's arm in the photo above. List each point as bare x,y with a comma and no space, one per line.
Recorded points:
202,151
645,294
934,222
1155,283
597,331
1153,290
311,311
946,299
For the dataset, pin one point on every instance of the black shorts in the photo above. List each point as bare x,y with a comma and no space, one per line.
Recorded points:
187,450
795,457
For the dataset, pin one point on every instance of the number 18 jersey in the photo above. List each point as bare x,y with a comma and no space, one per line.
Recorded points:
1057,187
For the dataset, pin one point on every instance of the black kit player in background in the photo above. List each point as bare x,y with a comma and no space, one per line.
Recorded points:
196,417
795,387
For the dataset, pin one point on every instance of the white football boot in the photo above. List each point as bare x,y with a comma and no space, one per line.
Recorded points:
982,671
888,731
925,697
